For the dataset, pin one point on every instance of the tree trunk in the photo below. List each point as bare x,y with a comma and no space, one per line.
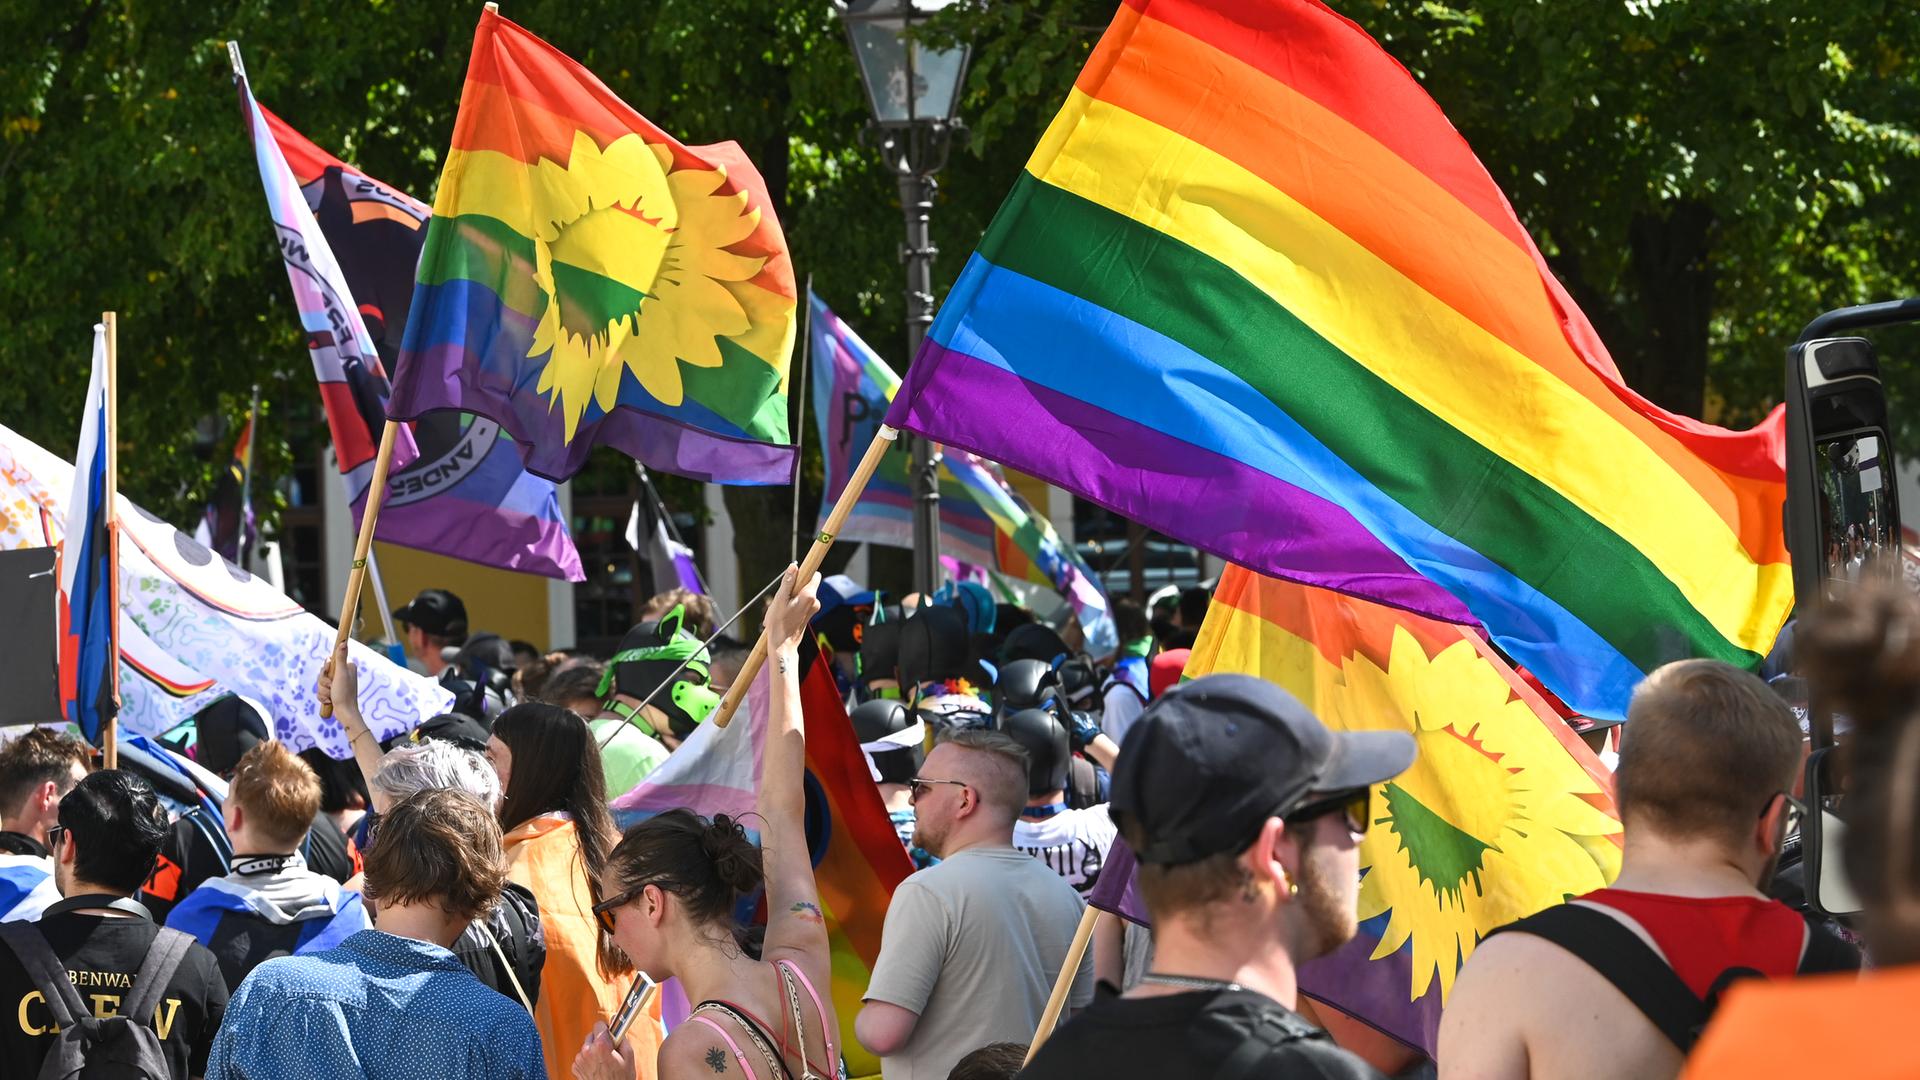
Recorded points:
1654,320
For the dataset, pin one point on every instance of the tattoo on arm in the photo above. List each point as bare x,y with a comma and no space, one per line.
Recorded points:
716,1059
809,912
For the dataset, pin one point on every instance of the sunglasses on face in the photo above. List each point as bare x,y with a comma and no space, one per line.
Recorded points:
1356,805
1796,813
603,911
54,835
919,786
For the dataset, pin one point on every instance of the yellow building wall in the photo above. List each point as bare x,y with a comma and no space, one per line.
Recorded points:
509,604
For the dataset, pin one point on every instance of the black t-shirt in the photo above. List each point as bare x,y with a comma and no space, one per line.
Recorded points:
102,953
196,849
1192,1035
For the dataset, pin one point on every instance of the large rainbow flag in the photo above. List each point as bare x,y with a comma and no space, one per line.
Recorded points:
588,279
983,520
1254,291
857,857
1504,812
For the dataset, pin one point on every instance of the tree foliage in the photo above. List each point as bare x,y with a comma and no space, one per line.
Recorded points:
1706,176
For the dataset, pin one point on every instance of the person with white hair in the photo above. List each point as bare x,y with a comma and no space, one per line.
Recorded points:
434,764
506,949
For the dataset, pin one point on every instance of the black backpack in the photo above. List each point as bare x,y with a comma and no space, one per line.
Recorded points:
123,1047
1624,958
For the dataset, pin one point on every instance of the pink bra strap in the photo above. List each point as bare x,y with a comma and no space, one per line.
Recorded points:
745,1069
818,1010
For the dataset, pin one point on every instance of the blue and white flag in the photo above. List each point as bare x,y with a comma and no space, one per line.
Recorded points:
86,568
26,887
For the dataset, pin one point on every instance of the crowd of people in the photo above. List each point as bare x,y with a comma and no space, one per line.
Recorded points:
459,902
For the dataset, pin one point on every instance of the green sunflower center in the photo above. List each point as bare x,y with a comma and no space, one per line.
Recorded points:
1443,855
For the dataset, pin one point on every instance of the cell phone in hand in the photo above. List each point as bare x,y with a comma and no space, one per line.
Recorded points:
630,1008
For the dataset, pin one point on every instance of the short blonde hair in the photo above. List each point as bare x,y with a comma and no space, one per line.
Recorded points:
278,791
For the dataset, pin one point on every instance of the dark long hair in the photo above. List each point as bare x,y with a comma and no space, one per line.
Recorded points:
556,767
708,863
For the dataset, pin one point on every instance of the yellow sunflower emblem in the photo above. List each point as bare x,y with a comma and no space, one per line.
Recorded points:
632,257
1489,824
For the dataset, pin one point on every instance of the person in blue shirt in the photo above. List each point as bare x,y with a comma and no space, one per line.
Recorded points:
392,1003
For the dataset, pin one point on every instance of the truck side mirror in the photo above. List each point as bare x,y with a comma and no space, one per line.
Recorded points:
1843,521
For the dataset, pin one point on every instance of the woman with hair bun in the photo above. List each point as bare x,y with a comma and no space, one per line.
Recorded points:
558,833
671,887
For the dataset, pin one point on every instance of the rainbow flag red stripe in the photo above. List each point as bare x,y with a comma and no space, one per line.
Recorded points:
1254,291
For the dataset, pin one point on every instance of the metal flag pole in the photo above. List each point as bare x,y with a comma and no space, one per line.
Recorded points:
856,484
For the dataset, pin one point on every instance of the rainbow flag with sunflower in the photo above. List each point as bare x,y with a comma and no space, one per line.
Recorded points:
590,280
1504,812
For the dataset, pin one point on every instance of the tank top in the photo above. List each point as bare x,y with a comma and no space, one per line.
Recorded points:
789,980
1704,936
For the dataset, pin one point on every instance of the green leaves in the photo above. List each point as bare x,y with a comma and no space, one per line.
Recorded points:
1705,175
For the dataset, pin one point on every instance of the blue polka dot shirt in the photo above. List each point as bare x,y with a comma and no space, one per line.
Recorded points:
377,1006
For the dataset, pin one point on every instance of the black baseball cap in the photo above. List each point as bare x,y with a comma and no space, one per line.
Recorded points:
456,728
436,611
1212,759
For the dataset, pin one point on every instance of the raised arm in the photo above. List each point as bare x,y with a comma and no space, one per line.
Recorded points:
340,686
796,929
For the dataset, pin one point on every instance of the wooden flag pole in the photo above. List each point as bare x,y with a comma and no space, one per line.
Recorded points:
1063,985
376,494
883,440
800,426
110,730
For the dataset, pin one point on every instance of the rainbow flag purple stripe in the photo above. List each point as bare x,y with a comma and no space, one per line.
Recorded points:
1201,307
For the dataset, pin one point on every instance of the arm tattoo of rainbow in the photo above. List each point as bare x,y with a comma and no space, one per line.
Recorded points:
809,912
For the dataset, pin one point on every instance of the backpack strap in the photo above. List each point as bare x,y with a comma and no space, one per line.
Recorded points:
1623,958
1259,1037
47,970
156,971
1826,951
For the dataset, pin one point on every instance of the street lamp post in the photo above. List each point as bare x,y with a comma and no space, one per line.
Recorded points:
913,91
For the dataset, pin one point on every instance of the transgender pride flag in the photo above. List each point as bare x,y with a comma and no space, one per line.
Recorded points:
857,858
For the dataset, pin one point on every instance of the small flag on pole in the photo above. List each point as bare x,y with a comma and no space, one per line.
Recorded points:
227,525
87,587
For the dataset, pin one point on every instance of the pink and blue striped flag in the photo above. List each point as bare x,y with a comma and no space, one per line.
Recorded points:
87,586
350,244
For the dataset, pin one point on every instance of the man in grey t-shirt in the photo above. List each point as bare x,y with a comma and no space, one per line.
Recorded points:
971,946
